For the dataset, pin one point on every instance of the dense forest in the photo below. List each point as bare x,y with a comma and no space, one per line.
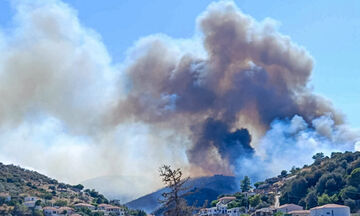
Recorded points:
334,179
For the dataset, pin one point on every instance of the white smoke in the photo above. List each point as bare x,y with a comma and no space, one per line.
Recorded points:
293,142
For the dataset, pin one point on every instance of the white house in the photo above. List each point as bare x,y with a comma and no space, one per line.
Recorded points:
29,201
223,203
31,198
220,209
269,211
110,209
330,210
62,211
209,211
235,211
288,208
50,211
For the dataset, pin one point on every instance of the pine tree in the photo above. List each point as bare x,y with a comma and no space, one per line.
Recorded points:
245,184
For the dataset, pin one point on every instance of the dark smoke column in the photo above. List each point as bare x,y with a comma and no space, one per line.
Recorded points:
251,76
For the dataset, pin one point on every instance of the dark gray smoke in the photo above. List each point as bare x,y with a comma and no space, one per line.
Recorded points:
249,76
231,146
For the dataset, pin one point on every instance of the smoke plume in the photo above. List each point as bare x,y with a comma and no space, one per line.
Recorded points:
234,95
249,76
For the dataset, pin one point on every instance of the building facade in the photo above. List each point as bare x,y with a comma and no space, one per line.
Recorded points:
330,210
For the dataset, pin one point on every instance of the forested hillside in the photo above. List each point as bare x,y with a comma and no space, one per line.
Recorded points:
19,182
334,179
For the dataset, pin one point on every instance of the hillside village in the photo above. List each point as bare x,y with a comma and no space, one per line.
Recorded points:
330,186
31,205
309,191
223,207
25,192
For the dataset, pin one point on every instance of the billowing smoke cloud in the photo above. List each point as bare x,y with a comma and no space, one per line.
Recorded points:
234,94
250,76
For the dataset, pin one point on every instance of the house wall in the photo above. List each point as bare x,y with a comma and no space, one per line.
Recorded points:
330,212
234,212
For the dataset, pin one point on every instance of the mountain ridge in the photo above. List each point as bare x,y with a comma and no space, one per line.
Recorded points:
204,188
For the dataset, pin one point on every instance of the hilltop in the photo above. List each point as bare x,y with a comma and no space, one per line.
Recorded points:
204,189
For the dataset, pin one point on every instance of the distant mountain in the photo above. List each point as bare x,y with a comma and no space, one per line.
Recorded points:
205,188
123,188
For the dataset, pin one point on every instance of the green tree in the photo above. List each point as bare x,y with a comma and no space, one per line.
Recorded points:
37,213
213,203
255,200
326,199
140,213
79,187
257,184
283,173
349,192
20,210
311,200
60,203
352,204
245,184
318,157
38,203
298,189
354,178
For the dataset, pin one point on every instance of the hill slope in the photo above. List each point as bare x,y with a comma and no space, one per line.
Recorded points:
334,179
206,188
19,182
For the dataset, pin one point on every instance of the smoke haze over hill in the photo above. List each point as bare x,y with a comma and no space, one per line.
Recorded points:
233,98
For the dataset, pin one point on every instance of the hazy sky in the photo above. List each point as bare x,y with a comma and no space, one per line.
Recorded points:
330,31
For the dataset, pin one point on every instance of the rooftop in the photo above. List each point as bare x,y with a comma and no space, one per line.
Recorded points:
330,206
227,198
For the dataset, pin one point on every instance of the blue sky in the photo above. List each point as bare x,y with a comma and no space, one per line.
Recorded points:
330,31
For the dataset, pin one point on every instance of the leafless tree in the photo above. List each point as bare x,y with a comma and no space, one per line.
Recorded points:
173,199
